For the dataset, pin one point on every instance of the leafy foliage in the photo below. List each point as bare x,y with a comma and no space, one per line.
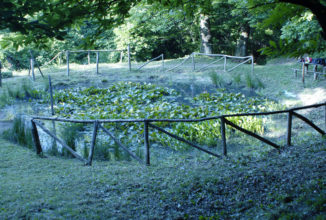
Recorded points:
134,100
151,31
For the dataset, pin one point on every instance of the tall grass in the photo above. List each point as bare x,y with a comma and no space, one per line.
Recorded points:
23,91
108,150
253,82
19,133
70,134
216,79
236,78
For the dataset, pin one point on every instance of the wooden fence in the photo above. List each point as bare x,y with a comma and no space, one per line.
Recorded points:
247,59
97,52
149,61
32,63
148,123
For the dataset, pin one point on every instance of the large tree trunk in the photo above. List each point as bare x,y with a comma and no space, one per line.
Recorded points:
242,45
205,35
317,8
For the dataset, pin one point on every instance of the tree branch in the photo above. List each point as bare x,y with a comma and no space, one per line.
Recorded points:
316,7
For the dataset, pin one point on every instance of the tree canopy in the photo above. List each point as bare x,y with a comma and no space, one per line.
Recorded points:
172,27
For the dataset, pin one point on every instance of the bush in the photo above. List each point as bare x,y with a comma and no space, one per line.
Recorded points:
6,74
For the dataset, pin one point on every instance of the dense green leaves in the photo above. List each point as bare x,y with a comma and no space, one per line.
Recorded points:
134,100
159,26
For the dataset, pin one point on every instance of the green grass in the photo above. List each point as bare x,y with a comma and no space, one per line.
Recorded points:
180,187
264,185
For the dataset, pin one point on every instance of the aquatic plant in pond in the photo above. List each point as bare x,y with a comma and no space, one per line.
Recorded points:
135,100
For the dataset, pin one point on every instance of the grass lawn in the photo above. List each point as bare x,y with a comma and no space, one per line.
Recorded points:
291,184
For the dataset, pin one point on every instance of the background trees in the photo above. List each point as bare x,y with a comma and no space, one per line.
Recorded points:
152,27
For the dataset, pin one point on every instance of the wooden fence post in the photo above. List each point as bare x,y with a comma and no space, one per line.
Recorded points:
54,144
252,64
224,63
146,142
303,70
36,138
97,61
89,57
325,117
67,56
315,70
289,131
60,58
162,62
51,95
193,61
129,62
91,152
121,56
223,136
32,68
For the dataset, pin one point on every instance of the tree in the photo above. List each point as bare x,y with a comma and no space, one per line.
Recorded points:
317,7
205,34
151,31
295,28
38,20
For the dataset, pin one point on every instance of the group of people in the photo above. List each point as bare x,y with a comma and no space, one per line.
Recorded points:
320,61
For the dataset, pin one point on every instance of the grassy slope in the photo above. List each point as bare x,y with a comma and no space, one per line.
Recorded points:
290,184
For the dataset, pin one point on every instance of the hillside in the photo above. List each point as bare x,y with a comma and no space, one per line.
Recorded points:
255,183
288,185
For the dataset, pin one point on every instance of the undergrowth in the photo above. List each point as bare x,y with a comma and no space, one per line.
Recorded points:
22,91
19,133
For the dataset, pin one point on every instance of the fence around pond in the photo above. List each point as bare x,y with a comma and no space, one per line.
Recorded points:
33,62
148,123
219,58
97,52
196,64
